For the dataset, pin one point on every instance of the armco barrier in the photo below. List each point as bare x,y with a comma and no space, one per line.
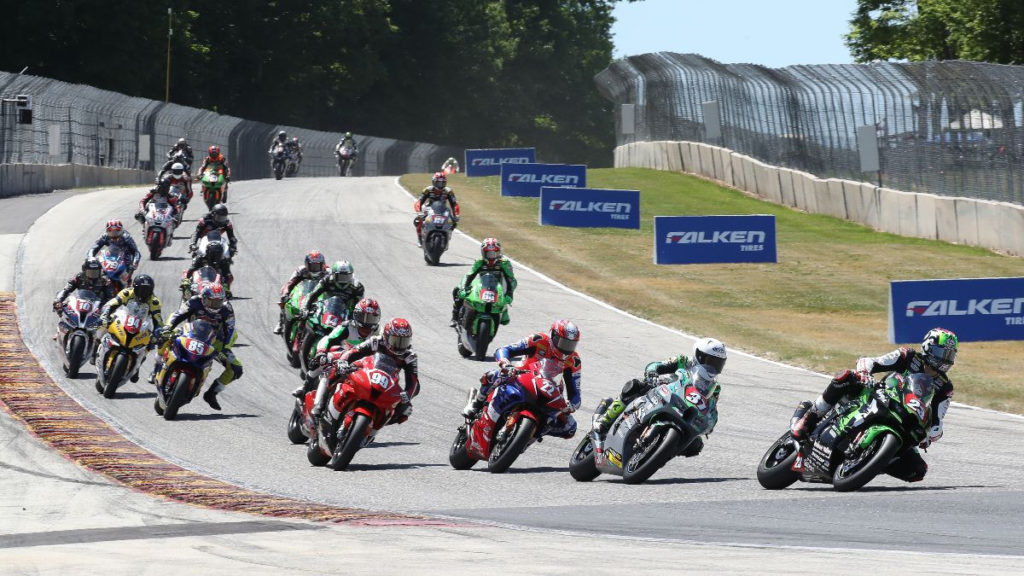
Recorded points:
989,224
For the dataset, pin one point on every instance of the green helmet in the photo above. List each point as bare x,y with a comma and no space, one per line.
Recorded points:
341,273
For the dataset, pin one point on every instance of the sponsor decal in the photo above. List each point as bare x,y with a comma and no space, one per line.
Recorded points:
559,179
614,457
527,179
488,161
976,309
710,239
499,161
589,207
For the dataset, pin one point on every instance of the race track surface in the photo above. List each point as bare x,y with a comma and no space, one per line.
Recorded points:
970,502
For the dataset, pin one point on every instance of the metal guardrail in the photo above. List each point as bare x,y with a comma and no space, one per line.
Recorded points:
949,128
78,124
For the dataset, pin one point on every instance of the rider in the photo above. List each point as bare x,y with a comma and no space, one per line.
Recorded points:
312,270
547,355
179,176
281,138
338,281
90,278
183,146
491,260
159,193
450,166
936,357
293,147
141,291
438,190
347,140
117,236
217,219
214,159
395,342
210,306
364,323
214,258
708,359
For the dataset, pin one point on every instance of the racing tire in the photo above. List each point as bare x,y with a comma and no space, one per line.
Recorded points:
581,464
179,397
350,442
313,453
505,453
295,433
775,470
457,456
883,450
118,371
75,353
637,467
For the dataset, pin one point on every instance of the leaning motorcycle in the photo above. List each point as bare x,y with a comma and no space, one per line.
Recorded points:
436,231
187,362
480,314
362,403
277,161
123,347
159,226
533,399
76,328
293,309
346,157
856,440
179,192
114,260
327,315
652,430
215,187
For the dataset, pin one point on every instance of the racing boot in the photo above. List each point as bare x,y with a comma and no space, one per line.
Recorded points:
211,395
473,403
504,317
455,314
806,417
607,416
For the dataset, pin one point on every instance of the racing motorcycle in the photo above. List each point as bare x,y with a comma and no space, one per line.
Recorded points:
114,260
215,187
534,400
654,428
857,439
291,165
201,278
363,402
123,347
178,191
294,306
326,316
187,362
480,315
277,161
211,237
436,231
159,224
177,156
346,157
76,328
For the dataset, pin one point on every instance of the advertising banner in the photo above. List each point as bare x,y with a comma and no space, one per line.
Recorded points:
527,179
976,309
589,207
714,239
488,161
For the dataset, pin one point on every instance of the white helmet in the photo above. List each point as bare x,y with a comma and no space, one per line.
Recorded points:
710,355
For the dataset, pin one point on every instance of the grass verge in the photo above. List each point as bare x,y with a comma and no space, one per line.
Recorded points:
820,307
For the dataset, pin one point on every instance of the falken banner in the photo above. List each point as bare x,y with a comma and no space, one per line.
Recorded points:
488,161
976,309
527,179
589,207
714,239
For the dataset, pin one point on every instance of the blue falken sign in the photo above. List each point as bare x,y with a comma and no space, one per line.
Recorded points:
976,309
527,179
589,207
714,239
488,161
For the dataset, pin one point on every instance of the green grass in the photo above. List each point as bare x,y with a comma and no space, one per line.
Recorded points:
821,306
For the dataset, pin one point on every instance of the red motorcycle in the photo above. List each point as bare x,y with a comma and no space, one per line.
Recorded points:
531,399
363,402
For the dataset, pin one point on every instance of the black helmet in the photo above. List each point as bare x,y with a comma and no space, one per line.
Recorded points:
92,269
214,252
143,287
220,213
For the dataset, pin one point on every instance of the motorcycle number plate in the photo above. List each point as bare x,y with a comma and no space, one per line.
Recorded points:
380,379
439,220
488,296
132,323
84,305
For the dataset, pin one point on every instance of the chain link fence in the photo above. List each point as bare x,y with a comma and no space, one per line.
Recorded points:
76,124
949,128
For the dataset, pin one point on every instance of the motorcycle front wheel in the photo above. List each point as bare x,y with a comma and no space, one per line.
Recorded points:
506,448
775,470
295,433
457,456
652,455
856,471
118,371
179,396
581,464
75,352
349,442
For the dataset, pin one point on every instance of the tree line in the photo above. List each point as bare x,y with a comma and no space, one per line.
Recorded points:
477,73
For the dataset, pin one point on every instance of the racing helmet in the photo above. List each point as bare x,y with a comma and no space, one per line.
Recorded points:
366,316
565,336
710,355
490,251
220,213
214,151
315,262
213,298
178,169
939,349
214,252
397,335
142,287
341,273
92,269
439,180
115,229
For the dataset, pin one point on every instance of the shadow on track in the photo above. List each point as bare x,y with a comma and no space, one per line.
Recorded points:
193,416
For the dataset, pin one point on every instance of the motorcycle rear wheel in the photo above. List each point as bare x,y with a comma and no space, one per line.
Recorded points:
457,456
775,470
313,453
117,373
179,396
581,464
867,466
76,349
295,433
503,454
640,466
350,442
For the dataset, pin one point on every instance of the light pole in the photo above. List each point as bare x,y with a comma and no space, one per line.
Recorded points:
167,85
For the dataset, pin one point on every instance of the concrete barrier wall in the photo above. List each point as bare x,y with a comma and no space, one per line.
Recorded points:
16,179
994,225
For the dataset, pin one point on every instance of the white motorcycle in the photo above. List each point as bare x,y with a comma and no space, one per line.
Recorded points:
76,329
159,226
438,224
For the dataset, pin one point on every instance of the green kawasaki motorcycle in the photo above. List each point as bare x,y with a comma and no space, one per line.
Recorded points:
482,310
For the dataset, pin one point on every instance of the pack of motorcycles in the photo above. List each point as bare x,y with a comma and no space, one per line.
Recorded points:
853,443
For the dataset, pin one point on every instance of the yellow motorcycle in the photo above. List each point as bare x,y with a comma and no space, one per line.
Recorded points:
122,347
